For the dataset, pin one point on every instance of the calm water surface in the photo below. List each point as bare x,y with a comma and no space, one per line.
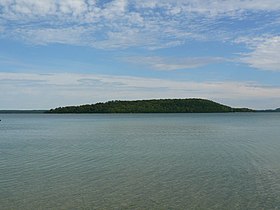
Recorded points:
140,161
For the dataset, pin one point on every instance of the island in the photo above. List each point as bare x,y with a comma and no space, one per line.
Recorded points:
191,105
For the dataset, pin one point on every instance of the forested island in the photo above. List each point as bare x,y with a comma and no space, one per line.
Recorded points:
152,106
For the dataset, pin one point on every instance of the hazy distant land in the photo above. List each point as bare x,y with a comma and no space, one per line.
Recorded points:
23,111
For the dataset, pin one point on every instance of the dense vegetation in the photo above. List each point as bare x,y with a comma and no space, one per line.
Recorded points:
151,106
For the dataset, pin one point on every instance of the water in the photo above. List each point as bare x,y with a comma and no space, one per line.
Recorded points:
140,161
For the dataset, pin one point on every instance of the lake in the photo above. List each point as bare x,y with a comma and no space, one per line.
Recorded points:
140,161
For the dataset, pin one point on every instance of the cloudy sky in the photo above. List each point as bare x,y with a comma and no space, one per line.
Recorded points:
69,52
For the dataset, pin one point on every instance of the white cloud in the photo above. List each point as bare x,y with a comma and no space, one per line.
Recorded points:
71,35
14,9
213,7
78,7
265,53
171,64
149,24
29,90
115,8
75,7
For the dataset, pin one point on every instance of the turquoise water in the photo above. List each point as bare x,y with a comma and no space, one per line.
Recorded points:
140,161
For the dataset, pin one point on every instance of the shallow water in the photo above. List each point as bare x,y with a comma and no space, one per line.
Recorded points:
140,161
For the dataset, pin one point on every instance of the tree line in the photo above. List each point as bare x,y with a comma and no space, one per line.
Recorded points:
151,106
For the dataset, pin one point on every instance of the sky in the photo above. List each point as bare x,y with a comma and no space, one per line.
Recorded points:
70,52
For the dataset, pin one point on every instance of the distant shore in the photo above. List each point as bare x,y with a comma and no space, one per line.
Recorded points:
190,105
23,111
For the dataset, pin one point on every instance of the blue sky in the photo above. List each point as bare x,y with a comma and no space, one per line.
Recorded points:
69,52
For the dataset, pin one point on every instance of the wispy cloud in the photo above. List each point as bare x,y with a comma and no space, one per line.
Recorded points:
212,6
62,89
43,36
150,24
265,54
172,64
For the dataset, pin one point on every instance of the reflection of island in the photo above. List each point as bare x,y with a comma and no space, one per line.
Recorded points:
152,106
